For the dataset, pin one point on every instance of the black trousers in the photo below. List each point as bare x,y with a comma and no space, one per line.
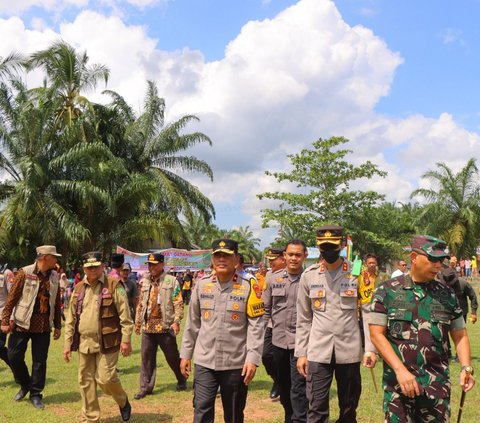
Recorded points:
17,345
232,390
292,386
3,348
349,385
267,355
150,344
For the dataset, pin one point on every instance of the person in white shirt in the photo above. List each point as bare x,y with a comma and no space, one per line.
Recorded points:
401,269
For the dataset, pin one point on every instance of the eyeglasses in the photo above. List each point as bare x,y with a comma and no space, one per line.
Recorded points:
403,265
432,259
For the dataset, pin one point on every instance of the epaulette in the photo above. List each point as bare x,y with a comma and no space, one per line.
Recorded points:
314,266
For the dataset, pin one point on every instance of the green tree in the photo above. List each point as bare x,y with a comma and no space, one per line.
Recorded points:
384,230
155,150
321,179
247,243
452,206
69,75
201,234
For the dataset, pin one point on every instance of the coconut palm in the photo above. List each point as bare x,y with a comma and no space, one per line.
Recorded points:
155,149
453,206
247,243
70,76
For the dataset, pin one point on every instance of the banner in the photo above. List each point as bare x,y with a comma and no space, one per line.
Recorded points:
176,260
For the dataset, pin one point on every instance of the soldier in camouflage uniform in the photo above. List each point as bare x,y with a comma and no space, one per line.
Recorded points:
409,325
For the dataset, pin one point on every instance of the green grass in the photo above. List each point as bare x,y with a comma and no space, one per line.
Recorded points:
62,397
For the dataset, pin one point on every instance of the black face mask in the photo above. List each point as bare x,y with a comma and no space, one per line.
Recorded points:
331,256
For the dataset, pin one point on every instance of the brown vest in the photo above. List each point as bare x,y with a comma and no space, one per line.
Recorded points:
109,328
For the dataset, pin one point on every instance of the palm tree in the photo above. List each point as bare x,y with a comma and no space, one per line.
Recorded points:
151,148
69,75
453,206
247,243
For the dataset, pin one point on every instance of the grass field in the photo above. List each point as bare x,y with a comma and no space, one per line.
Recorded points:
62,398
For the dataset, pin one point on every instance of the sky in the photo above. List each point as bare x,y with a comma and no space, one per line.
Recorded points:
269,77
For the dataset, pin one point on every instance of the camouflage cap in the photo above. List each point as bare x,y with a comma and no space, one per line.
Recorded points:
274,253
329,234
92,259
228,246
429,246
155,258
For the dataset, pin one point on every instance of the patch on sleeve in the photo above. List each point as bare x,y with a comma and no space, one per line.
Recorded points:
255,306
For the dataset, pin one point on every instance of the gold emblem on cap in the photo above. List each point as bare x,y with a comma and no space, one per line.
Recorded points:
221,244
151,257
328,234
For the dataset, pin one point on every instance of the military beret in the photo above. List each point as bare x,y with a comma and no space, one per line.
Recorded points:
329,234
228,246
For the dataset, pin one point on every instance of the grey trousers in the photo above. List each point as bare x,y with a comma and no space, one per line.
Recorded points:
150,344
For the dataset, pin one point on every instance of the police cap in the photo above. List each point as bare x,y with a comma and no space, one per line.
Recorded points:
228,246
329,234
155,258
274,253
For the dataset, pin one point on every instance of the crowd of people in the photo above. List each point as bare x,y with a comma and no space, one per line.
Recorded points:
306,325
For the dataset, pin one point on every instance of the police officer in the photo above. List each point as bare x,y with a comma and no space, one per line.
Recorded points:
276,260
328,339
35,297
280,298
98,325
409,324
159,313
224,333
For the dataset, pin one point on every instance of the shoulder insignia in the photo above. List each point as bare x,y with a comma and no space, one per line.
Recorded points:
345,266
255,306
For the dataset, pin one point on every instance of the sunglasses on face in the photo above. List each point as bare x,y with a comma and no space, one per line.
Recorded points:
432,259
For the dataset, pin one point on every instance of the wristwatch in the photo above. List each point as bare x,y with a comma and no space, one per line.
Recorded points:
468,369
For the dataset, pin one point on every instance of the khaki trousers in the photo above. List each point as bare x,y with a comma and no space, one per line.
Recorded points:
98,369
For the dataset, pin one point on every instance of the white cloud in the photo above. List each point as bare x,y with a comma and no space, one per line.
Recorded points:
283,83
19,6
453,36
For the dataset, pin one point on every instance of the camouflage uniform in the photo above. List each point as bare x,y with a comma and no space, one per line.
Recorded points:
418,318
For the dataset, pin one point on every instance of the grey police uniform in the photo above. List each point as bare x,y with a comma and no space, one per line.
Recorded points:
224,331
280,298
328,334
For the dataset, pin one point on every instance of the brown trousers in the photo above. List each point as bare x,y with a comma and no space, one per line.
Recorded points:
150,344
98,369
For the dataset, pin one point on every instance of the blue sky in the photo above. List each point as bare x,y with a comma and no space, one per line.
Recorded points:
266,78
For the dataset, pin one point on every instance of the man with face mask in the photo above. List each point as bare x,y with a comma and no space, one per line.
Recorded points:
463,290
328,338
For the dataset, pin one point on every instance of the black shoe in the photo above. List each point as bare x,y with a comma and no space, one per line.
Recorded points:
21,394
126,411
37,402
140,395
181,386
274,393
